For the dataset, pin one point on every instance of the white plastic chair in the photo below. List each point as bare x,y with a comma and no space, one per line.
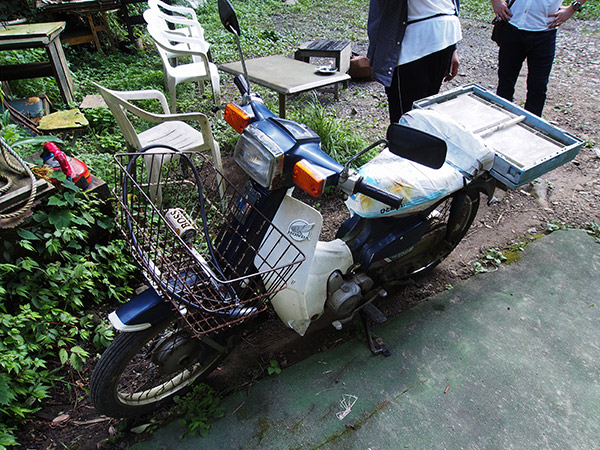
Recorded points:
196,3
174,10
175,44
171,129
176,18
186,28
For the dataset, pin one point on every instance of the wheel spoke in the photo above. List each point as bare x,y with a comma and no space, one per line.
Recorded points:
140,370
143,381
437,242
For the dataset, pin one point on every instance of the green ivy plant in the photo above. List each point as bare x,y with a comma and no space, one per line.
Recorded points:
593,229
493,258
198,408
54,268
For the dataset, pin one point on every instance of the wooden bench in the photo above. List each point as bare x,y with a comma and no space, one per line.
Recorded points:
36,35
341,51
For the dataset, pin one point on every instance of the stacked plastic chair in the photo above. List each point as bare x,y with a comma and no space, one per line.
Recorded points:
185,54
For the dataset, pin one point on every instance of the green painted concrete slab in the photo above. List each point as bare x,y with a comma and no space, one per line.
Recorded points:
509,359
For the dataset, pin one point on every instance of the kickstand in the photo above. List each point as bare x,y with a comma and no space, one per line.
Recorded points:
376,345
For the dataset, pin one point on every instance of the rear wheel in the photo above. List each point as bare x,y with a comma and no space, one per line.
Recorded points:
143,370
444,233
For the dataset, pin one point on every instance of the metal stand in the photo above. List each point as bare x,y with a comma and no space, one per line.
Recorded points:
370,315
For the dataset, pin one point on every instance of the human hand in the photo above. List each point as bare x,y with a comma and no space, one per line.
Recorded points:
501,10
563,14
454,65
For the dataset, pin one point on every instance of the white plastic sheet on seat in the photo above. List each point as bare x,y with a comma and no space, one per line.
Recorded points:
420,186
466,151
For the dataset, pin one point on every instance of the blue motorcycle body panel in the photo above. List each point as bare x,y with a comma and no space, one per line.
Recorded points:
141,312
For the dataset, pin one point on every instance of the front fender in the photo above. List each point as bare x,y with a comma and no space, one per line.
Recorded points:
141,312
485,184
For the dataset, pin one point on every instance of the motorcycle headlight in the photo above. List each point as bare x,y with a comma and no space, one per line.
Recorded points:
260,157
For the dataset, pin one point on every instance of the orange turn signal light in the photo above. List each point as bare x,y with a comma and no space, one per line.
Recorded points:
309,178
236,117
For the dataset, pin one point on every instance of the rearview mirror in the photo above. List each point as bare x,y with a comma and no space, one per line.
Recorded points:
416,145
228,17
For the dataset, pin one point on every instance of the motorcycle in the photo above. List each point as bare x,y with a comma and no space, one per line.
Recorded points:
217,257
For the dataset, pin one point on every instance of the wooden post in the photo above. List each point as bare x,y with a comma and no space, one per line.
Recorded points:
61,69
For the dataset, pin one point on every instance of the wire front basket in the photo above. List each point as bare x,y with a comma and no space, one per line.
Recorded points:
200,242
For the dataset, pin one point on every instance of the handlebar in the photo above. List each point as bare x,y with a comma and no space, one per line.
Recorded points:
241,84
377,194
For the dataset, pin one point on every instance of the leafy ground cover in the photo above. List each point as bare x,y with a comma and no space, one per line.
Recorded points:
56,282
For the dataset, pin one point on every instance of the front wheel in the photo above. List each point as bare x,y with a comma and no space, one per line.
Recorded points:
143,370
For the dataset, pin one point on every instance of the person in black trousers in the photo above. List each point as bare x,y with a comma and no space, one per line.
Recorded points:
530,34
412,48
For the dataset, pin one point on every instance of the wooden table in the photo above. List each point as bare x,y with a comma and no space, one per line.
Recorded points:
88,9
284,75
38,35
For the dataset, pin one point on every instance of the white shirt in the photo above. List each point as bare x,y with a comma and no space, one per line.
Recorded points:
431,35
532,15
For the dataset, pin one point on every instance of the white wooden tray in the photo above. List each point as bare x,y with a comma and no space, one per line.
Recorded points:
525,145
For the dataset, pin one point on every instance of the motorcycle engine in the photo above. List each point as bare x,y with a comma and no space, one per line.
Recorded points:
345,293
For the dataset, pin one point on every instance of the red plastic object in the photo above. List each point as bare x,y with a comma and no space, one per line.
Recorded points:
75,169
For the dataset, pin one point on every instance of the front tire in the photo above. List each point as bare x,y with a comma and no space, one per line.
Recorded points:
141,371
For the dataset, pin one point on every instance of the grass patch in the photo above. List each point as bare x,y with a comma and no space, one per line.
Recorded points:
338,138
495,257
